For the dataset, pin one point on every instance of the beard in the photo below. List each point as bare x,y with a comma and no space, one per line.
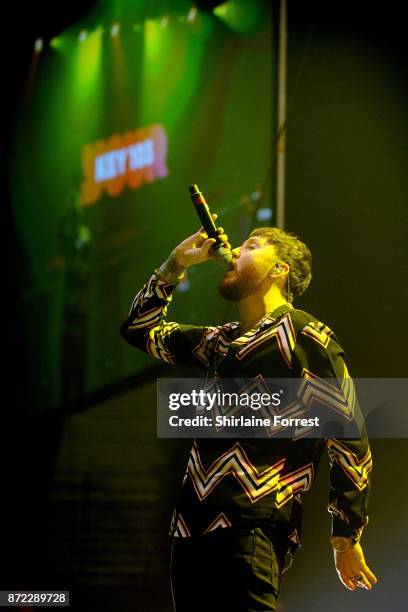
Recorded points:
237,286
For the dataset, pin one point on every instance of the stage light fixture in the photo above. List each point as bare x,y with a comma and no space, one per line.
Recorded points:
38,45
83,35
192,13
164,21
115,29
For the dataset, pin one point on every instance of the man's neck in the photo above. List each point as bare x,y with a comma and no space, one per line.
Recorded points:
255,306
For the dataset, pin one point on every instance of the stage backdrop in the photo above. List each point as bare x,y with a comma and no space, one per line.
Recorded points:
121,113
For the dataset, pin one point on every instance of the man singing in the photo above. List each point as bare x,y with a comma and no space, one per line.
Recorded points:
238,519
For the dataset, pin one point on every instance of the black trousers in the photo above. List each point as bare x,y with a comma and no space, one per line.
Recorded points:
227,570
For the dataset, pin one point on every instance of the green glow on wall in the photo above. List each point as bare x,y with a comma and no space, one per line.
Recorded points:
88,64
172,60
56,43
192,78
157,42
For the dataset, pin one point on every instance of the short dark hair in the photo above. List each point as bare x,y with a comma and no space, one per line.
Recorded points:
292,251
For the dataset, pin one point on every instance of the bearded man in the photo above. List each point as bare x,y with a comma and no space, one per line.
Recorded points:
238,520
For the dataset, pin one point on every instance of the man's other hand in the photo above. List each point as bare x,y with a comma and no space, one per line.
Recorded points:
353,570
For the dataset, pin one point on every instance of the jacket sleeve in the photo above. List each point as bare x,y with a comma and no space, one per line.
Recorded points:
145,328
320,355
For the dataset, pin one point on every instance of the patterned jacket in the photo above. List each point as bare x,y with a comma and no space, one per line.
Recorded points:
258,481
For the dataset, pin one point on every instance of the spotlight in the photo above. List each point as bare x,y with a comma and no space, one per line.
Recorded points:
115,29
164,21
82,35
192,13
264,214
38,45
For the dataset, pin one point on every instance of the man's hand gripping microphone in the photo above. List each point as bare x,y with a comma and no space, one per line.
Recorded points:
222,255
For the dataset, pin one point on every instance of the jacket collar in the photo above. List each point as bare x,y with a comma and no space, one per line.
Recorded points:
273,315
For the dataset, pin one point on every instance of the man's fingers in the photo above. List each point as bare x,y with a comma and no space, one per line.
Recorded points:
364,583
202,235
368,578
207,246
372,577
348,583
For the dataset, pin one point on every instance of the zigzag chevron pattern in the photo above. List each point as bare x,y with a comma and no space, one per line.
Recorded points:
155,287
318,331
236,463
311,388
285,337
245,338
341,400
291,484
357,470
294,537
259,385
295,409
203,350
255,385
220,522
181,529
148,318
224,338
162,289
136,300
156,346
217,336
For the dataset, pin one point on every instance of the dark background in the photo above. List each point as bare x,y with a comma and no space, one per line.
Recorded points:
87,488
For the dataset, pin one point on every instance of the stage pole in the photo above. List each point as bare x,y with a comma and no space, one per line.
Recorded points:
281,139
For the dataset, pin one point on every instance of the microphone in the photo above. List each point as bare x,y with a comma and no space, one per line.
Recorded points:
222,255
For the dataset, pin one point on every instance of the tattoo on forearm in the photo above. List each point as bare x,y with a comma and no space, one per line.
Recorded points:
171,270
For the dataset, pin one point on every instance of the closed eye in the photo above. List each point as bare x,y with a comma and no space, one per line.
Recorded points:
250,245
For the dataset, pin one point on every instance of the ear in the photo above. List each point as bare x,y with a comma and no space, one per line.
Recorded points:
279,270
